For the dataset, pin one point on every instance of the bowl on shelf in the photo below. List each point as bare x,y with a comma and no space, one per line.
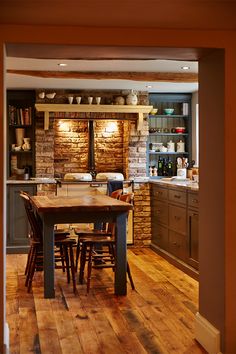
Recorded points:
154,111
180,130
19,171
168,111
152,130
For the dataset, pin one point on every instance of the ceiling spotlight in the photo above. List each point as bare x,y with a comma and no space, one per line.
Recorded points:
62,64
148,86
185,67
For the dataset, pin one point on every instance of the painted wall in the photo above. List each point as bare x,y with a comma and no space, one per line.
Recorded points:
225,278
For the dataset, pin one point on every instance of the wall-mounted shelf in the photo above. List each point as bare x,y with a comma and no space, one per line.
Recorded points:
89,108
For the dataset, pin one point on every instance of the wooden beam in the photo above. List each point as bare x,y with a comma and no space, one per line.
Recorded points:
110,75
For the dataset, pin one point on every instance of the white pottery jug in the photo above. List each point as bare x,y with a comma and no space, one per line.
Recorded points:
132,99
26,146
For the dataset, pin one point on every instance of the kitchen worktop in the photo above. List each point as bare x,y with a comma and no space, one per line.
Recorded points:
190,185
32,181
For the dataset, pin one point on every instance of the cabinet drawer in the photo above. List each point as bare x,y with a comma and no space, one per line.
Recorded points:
177,245
193,200
160,236
159,193
177,219
160,212
176,196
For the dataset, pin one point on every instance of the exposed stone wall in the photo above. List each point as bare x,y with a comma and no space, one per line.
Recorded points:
142,215
44,149
70,146
64,148
108,146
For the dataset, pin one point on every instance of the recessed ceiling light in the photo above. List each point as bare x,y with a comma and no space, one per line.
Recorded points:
62,64
148,86
185,67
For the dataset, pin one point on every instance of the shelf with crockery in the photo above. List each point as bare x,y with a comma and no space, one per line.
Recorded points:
169,131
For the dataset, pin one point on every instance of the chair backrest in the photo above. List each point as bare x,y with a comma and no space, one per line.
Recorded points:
34,224
116,194
128,197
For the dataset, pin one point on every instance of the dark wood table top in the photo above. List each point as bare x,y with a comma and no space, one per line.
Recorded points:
84,203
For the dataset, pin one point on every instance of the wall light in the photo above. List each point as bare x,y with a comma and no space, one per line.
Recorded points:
64,126
111,127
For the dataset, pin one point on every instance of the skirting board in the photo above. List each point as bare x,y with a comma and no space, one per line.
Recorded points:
207,335
6,338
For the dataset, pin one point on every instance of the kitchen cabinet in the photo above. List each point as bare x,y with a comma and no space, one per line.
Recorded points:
20,121
17,222
174,221
162,130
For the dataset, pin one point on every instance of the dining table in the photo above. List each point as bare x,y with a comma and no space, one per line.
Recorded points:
89,207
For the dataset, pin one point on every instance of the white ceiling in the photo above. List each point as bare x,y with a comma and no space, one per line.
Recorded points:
31,82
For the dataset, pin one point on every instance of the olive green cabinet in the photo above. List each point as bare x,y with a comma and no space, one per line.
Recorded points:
174,215
17,223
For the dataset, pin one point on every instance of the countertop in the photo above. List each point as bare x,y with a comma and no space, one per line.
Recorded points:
189,185
32,181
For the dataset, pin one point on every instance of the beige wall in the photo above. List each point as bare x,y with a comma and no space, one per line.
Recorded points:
226,240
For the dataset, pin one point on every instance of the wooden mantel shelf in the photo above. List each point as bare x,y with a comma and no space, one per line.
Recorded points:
90,108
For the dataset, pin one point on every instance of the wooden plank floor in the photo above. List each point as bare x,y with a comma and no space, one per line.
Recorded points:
158,317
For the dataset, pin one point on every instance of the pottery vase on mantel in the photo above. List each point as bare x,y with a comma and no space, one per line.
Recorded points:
132,99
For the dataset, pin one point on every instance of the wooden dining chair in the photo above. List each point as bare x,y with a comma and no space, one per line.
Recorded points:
64,258
106,239
105,230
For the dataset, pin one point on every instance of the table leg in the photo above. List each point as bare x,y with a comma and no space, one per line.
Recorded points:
121,255
48,259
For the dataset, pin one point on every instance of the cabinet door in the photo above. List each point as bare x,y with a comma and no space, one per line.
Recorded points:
177,245
193,238
160,236
159,193
160,212
177,219
17,222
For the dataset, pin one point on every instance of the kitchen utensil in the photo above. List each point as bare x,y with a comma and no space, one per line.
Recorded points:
154,111
170,146
180,129
152,130
180,146
179,162
51,95
182,172
168,111
78,99
90,100
70,99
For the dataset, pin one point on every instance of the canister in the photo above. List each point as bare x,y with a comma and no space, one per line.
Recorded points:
180,146
170,146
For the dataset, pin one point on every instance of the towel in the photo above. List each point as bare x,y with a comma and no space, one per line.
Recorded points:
113,185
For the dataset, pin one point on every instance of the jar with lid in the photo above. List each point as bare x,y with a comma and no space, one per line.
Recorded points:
132,98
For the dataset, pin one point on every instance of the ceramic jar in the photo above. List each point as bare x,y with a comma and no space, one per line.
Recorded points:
132,99
119,100
26,146
180,146
170,146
